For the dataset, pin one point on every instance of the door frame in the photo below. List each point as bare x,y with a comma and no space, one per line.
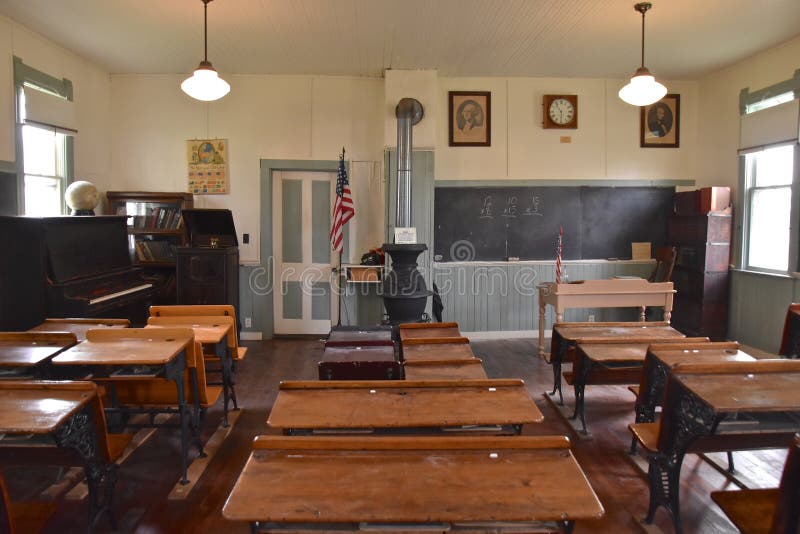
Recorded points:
268,166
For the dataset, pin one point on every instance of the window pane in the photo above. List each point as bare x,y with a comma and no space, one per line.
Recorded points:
42,196
39,150
774,166
769,229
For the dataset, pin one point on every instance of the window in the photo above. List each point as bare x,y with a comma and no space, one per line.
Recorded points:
768,181
45,164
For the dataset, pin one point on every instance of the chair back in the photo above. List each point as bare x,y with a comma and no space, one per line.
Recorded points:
790,343
197,309
665,263
787,513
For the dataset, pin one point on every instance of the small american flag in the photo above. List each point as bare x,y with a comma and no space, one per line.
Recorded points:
343,209
558,255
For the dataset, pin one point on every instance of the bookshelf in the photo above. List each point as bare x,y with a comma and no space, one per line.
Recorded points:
155,231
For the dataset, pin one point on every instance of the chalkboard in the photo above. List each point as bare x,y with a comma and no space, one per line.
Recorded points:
495,223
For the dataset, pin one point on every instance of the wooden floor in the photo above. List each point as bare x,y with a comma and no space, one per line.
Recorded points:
149,474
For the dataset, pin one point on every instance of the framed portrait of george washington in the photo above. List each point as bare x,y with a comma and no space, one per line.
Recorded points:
469,114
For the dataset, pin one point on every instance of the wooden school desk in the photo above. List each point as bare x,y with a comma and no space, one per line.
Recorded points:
63,414
396,483
428,330
614,293
403,405
444,369
447,348
566,336
26,353
217,331
718,412
610,361
109,356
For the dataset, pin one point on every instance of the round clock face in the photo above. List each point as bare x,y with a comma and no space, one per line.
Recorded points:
561,111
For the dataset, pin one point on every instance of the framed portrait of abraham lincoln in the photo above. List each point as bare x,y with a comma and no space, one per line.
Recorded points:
470,114
660,123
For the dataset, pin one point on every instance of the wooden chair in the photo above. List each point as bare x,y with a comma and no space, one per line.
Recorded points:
767,511
790,343
665,263
203,310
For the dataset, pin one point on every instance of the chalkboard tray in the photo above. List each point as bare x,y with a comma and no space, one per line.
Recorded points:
519,222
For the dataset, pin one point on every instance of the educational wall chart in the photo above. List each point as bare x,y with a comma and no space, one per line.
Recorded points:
208,166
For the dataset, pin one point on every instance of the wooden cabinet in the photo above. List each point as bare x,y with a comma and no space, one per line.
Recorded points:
155,231
701,272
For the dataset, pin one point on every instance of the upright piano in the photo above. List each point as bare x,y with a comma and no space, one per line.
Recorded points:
70,267
89,270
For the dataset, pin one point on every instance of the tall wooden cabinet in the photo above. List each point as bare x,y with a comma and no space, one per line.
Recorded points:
155,231
701,272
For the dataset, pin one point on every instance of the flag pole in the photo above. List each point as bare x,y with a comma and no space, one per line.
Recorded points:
339,274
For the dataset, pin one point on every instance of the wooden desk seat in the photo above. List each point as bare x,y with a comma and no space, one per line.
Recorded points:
22,517
79,325
444,369
205,310
437,348
336,483
767,511
428,330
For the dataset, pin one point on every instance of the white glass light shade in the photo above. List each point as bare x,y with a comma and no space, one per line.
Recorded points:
643,89
205,84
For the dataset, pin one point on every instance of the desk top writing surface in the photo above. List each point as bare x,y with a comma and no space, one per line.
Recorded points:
439,351
26,349
402,404
211,332
391,480
585,333
357,336
608,353
673,357
444,370
40,407
746,392
425,333
358,353
124,351
79,327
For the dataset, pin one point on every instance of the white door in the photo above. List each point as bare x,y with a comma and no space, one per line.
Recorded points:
304,302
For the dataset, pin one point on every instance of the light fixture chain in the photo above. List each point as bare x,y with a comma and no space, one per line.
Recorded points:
643,12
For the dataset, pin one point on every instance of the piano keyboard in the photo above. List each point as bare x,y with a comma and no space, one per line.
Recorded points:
128,291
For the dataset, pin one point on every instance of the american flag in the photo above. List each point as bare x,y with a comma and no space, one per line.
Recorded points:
558,255
343,209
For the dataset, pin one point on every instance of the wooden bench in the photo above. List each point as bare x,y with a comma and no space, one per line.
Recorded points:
767,511
418,483
696,418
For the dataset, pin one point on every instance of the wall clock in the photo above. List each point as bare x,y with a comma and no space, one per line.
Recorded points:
560,111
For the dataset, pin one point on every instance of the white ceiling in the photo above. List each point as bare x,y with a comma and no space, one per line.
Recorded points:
558,38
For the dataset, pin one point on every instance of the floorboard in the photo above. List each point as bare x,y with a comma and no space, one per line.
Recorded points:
148,475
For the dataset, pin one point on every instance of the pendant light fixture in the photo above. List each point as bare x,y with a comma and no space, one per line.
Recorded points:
643,89
205,84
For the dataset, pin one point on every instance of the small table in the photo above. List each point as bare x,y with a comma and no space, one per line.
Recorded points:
209,330
447,349
401,483
388,406
131,359
736,411
25,353
62,413
614,293
566,336
444,369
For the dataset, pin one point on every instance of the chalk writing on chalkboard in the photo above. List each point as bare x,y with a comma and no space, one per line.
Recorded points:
534,208
486,210
510,211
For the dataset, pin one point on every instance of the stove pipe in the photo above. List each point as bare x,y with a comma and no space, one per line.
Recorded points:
408,112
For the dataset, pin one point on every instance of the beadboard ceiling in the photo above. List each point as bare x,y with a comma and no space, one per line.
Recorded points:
560,38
